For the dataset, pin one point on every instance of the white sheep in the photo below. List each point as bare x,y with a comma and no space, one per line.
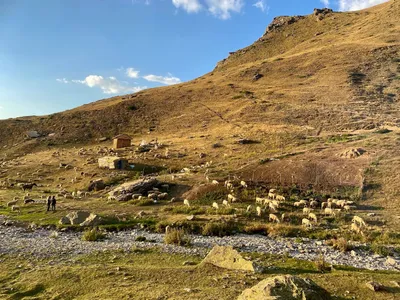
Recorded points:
280,198
215,182
306,211
231,198
258,209
272,191
283,217
259,200
243,184
186,202
354,227
329,212
271,195
306,223
313,204
358,220
215,205
304,202
273,218
313,217
272,207
225,203
324,205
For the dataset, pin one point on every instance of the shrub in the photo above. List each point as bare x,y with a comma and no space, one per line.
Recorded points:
381,250
92,235
140,238
177,237
340,244
286,230
256,229
143,202
383,131
219,229
321,265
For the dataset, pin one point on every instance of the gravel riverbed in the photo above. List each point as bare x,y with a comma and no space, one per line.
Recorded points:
39,243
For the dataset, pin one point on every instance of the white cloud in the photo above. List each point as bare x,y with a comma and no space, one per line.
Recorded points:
223,8
62,80
132,73
1,107
325,2
109,85
262,5
191,6
168,80
345,5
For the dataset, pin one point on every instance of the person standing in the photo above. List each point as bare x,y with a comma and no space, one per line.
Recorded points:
48,203
53,203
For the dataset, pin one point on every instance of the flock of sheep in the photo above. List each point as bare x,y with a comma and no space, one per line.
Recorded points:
274,202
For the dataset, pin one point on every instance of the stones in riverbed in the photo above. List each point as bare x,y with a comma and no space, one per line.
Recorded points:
285,287
228,258
82,218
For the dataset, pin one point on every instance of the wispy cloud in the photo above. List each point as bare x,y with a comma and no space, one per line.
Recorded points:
109,85
223,8
191,6
325,2
168,80
132,73
350,5
219,8
1,107
262,5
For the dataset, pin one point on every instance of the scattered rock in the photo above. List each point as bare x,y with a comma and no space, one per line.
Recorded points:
228,258
76,217
92,220
322,13
285,287
391,261
65,221
97,185
103,139
282,21
257,76
374,286
352,153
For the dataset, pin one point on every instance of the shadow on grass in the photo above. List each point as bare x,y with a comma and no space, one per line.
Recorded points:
37,289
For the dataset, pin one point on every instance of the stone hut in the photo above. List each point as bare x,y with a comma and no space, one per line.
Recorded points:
122,141
113,163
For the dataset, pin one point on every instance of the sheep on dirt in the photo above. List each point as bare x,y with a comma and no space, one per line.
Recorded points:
273,218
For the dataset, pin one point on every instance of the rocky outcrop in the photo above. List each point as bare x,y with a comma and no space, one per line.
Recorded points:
228,258
286,288
352,153
322,13
282,21
97,185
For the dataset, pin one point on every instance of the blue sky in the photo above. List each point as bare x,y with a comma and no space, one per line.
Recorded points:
59,54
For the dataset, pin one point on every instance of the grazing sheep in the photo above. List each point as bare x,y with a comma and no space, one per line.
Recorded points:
214,182
306,223
280,198
273,218
243,184
27,201
167,229
259,200
16,198
272,191
283,217
248,208
313,217
349,207
229,186
313,204
186,202
324,205
11,203
354,227
225,203
358,220
304,202
215,205
231,198
15,208
162,196
297,204
329,212
271,195
273,208
306,211
258,209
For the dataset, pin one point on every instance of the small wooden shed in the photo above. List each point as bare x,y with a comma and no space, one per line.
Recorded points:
122,141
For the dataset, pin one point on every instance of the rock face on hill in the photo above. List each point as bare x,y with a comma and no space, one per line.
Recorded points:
285,288
281,21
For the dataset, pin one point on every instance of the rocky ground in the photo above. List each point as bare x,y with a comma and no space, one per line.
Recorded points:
64,245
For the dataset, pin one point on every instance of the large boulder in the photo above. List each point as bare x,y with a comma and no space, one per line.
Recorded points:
92,220
78,217
285,288
97,185
228,258
65,221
